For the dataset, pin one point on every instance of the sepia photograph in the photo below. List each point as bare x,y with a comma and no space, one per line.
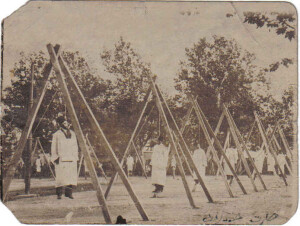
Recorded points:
155,113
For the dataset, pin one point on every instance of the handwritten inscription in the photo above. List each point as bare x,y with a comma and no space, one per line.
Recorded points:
262,219
227,218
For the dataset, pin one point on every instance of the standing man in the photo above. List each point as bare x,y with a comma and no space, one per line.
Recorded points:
259,158
64,155
200,160
86,170
281,162
271,163
159,162
173,165
129,164
38,165
232,155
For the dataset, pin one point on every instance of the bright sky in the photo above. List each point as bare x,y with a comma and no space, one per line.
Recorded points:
159,32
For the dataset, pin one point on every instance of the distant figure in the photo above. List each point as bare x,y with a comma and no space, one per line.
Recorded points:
86,170
129,163
232,156
64,155
159,161
173,165
271,163
259,159
281,162
20,169
38,165
200,161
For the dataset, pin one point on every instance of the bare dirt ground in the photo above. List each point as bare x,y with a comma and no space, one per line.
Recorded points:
274,206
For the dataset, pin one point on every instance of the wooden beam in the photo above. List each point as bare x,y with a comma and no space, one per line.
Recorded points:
250,132
47,160
96,157
182,142
244,146
184,123
226,144
276,146
181,153
172,141
220,148
217,130
80,165
267,144
11,167
215,155
140,160
33,152
284,140
79,133
239,148
133,135
98,131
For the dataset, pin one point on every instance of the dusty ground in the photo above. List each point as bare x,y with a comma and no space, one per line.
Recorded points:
274,206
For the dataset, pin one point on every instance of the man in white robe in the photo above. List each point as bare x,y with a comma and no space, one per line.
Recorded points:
259,158
86,170
200,160
38,165
281,161
173,165
129,164
232,155
159,162
271,163
64,155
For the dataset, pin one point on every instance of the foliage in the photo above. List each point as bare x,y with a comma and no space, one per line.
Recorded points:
282,23
127,88
16,96
219,72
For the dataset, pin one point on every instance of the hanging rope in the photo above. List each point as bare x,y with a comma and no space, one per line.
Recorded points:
146,120
45,111
159,125
65,110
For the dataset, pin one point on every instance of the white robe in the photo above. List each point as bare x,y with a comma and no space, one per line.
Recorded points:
67,152
130,163
38,165
173,161
271,163
232,155
200,160
259,159
159,161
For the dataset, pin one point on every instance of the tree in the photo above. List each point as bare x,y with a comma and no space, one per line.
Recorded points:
16,96
128,85
220,72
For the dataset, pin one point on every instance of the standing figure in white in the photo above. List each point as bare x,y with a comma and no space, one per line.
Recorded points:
129,163
259,159
200,160
159,162
232,156
64,155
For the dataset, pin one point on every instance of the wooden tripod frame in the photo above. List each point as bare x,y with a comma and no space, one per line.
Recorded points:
63,74
267,143
209,132
174,136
